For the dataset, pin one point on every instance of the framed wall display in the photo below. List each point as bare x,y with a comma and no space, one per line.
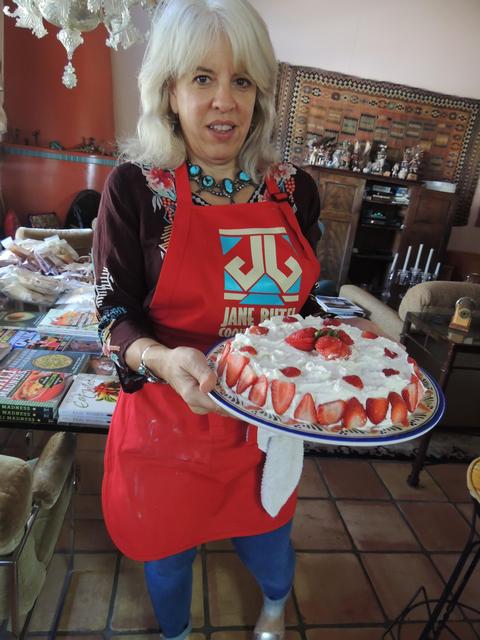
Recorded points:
44,221
317,103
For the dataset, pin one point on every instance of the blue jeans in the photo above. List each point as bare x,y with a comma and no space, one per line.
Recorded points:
269,557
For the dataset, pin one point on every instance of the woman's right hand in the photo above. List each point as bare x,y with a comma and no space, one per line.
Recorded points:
186,370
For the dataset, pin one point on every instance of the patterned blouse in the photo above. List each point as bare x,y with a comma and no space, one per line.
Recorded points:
133,230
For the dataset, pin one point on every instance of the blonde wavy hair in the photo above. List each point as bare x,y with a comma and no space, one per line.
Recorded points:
181,33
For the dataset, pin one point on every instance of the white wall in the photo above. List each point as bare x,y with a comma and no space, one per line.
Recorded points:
431,44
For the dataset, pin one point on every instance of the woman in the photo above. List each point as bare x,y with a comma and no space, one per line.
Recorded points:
200,198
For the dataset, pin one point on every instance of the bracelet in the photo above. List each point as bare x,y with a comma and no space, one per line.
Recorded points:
145,370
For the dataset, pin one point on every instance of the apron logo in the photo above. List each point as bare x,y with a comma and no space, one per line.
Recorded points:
261,269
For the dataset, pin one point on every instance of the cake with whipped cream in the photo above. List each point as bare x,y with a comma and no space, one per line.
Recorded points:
322,371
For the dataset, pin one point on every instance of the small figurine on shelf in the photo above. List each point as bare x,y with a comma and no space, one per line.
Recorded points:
312,148
323,155
409,163
355,159
318,151
405,164
366,151
415,162
335,161
345,155
380,160
395,170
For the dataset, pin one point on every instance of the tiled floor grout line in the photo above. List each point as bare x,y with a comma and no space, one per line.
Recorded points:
426,552
301,628
298,612
358,553
354,549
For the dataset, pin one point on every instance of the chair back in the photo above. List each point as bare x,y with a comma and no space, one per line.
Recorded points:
437,297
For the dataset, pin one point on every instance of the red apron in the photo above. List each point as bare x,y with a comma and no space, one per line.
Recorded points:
174,479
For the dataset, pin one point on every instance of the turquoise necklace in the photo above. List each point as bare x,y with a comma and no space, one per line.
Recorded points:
226,188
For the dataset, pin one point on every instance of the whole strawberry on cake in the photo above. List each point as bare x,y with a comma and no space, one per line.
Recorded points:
322,371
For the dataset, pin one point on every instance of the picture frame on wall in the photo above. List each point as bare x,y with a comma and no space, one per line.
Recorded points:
44,221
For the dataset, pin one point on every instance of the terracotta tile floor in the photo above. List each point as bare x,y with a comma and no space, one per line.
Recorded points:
365,542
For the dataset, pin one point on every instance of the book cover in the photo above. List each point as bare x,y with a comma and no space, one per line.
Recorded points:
43,360
18,338
70,322
50,342
31,396
339,306
90,400
25,319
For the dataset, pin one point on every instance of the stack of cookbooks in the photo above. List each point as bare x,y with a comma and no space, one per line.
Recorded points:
90,400
70,322
50,358
31,396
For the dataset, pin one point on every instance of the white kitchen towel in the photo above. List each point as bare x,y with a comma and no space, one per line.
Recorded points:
282,468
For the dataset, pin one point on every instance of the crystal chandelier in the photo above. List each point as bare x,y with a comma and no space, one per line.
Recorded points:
75,16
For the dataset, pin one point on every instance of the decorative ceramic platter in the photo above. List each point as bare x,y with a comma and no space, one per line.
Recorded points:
427,415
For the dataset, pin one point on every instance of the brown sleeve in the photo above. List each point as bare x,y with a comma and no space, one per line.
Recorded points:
307,202
119,265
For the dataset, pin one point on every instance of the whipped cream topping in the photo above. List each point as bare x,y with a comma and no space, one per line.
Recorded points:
321,377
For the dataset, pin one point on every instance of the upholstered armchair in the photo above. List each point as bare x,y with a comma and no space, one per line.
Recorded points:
463,400
34,497
428,297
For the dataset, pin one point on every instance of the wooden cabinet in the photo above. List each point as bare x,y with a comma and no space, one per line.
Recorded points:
429,220
341,195
362,231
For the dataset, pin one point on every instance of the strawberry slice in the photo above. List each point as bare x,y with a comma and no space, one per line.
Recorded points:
390,354
235,364
291,372
355,381
330,412
415,365
399,414
331,348
390,372
305,410
258,392
420,388
331,322
258,331
354,415
303,339
247,378
282,395
289,319
369,335
376,409
248,349
223,358
410,395
344,337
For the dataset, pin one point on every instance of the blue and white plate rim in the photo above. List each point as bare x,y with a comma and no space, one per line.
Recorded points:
252,417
